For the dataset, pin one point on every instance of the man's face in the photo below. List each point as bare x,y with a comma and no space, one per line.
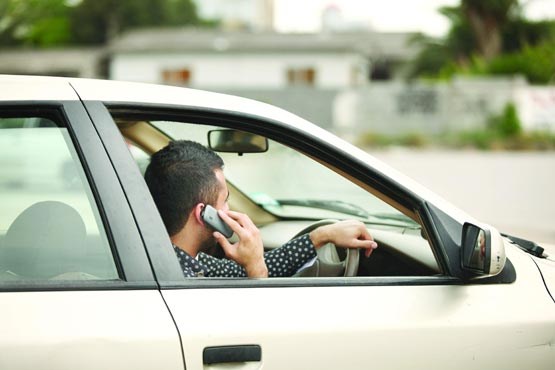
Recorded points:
223,192
208,245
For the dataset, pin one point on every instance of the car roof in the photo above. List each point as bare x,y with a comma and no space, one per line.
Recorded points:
39,88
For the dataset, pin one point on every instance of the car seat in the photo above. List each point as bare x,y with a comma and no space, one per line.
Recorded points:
47,239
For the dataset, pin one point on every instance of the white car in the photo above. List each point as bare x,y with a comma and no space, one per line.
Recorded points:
89,279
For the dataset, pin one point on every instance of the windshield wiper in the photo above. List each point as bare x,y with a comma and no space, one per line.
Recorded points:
526,245
328,205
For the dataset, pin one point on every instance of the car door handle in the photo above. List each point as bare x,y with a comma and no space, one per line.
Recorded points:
223,354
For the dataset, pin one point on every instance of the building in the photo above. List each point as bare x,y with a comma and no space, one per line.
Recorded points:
71,62
280,69
211,59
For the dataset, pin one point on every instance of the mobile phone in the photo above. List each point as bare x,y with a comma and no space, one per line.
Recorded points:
211,217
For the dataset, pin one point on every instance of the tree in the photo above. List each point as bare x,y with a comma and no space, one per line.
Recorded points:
487,19
98,21
488,37
34,23
45,23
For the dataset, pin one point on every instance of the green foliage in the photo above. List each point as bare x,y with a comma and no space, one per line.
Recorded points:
45,23
527,47
520,33
498,9
506,124
372,139
503,132
536,63
97,21
34,22
479,139
487,140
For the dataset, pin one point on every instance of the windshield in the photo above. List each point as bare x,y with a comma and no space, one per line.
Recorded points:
290,184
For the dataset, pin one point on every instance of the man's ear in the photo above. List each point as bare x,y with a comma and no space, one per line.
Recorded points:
197,213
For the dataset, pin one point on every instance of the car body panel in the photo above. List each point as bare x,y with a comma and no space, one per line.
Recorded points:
547,269
87,330
387,327
35,88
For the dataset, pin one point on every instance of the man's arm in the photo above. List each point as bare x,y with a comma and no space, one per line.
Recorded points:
287,259
290,257
344,234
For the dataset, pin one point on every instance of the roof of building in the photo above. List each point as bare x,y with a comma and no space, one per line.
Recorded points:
63,61
389,45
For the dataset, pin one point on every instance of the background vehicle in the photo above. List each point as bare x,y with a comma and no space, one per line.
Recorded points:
89,278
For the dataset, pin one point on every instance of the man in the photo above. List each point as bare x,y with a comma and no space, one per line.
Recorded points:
185,176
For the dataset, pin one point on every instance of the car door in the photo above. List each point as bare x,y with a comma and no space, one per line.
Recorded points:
76,287
387,322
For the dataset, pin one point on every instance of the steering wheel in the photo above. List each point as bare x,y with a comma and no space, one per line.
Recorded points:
328,262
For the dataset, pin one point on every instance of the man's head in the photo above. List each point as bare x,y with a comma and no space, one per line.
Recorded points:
181,176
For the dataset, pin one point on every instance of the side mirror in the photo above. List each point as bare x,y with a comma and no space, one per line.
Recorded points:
483,251
232,141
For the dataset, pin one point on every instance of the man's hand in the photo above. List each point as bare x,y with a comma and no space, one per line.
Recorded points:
248,251
345,234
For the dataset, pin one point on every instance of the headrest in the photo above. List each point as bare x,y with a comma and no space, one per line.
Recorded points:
43,238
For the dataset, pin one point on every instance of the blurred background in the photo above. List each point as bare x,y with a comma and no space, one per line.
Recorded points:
457,94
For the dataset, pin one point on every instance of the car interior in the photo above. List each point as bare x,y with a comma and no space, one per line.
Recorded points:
403,249
285,192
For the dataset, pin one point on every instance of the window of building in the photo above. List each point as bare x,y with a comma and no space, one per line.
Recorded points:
177,76
304,76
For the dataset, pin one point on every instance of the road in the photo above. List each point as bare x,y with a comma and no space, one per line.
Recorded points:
513,191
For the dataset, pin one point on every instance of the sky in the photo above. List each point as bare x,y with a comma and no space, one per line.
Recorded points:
383,15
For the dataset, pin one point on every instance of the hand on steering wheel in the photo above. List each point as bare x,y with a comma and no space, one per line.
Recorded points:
327,235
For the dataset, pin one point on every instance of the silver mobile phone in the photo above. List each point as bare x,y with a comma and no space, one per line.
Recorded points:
211,217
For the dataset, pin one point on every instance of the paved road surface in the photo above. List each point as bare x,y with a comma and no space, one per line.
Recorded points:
515,192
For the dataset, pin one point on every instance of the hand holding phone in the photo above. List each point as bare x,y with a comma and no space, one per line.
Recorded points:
210,216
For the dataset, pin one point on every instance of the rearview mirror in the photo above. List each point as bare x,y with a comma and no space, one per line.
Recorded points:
232,141
483,251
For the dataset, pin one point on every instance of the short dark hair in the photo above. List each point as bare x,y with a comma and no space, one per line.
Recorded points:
180,176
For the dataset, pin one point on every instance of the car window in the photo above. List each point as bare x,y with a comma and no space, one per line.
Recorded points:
50,226
293,186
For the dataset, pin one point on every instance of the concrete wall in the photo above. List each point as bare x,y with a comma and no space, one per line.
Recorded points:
396,107
536,107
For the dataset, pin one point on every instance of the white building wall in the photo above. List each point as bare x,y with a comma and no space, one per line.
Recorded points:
235,70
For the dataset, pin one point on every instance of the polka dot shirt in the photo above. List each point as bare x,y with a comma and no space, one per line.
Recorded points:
281,262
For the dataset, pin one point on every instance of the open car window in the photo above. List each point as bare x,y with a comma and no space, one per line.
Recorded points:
290,190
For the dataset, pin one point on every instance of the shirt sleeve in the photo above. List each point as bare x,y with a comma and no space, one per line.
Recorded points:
287,259
217,267
281,262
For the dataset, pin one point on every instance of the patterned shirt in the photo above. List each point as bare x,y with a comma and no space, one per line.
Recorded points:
281,262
